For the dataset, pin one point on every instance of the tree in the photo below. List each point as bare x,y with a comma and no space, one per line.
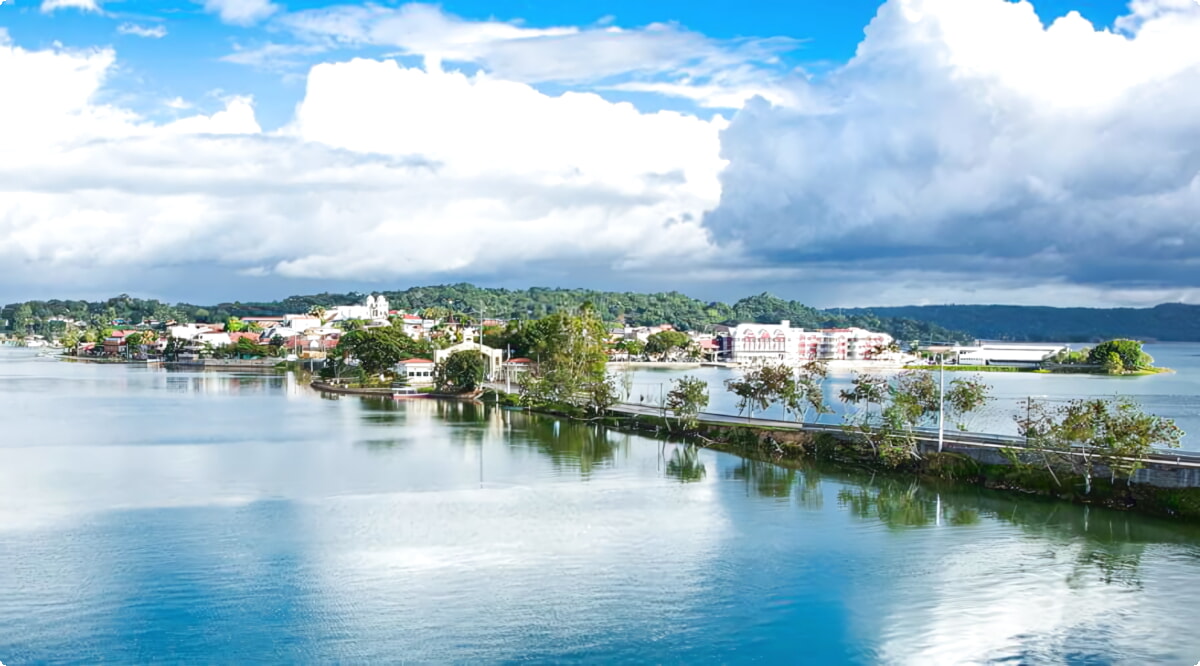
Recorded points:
687,398
1083,435
662,343
762,387
1129,352
966,396
809,392
70,340
906,402
1113,364
234,325
462,371
22,319
376,354
571,354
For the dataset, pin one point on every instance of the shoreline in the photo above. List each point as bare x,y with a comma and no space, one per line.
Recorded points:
1058,370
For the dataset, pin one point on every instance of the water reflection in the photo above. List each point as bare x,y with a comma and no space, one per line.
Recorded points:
569,444
684,464
899,504
765,479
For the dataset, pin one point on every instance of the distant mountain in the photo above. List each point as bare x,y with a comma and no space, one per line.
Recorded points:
1172,322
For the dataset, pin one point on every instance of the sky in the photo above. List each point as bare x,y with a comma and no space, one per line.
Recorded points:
848,153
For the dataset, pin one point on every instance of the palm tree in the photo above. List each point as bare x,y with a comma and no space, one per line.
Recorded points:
318,312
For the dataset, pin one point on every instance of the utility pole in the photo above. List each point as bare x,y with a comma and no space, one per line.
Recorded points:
942,402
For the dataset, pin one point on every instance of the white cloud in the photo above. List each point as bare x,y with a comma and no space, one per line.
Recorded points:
82,5
272,56
151,32
969,142
662,58
177,103
384,172
241,12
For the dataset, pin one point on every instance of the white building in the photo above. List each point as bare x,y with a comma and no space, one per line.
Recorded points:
1002,353
418,371
493,358
780,343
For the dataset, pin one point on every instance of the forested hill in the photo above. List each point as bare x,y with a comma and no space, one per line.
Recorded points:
1170,322
636,309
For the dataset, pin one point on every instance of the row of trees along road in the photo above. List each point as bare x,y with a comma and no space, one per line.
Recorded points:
884,413
1077,438
1081,437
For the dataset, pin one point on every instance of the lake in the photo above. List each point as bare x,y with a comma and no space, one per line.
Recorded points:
1173,395
155,516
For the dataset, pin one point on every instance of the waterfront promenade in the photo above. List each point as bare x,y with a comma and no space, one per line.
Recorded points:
1174,469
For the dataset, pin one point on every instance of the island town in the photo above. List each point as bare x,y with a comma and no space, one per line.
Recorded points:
313,336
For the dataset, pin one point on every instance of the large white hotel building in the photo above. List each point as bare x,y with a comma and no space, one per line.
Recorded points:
776,343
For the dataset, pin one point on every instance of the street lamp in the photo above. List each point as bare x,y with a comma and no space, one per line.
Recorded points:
942,402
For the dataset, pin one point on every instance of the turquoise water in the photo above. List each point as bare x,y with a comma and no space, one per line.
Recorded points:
149,516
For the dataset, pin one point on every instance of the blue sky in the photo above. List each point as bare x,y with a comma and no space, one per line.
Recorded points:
973,150
187,61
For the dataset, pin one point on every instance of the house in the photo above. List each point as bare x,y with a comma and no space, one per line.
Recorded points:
187,331
513,368
263,322
493,358
214,338
252,337
414,326
301,322
114,344
417,370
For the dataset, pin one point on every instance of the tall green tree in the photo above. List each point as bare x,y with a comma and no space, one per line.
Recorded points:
664,342
461,372
570,353
1128,352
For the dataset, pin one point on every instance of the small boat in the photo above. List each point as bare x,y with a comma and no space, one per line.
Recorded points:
406,393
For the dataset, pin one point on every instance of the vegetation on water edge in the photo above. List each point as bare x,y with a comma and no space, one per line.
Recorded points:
970,368
781,445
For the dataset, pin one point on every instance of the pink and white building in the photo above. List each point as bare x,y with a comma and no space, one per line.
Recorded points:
756,344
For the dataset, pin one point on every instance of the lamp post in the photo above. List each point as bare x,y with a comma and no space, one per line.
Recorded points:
942,402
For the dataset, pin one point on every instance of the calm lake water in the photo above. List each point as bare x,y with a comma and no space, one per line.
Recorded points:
1172,395
167,517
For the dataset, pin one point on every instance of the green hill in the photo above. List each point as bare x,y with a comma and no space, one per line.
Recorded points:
1173,322
633,308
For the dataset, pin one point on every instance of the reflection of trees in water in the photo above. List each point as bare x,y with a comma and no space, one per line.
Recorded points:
802,482
765,479
898,504
1106,546
684,464
383,410
570,444
809,492
1113,563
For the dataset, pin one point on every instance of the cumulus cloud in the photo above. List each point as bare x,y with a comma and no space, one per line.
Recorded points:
150,32
969,143
385,172
662,57
82,5
241,12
